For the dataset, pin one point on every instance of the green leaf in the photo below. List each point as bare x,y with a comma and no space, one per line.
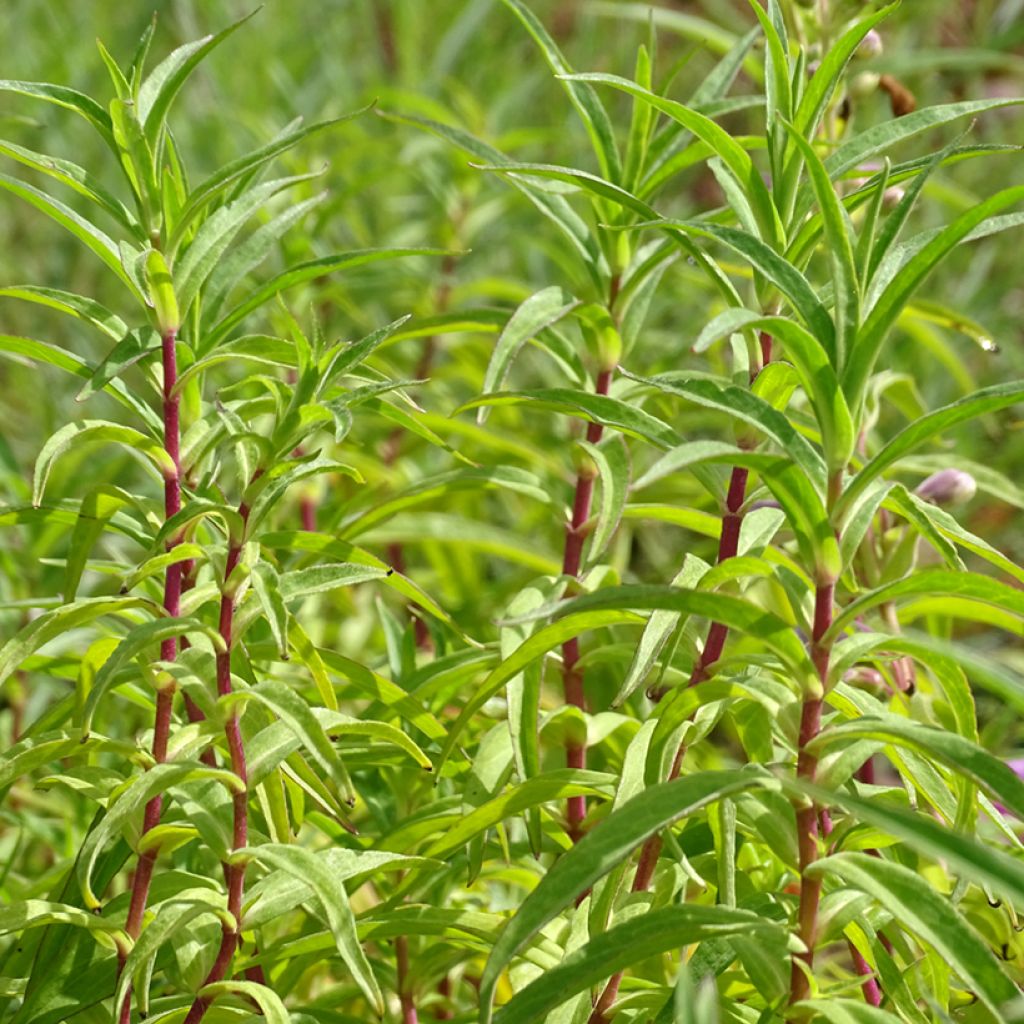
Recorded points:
272,1010
137,793
891,302
84,230
733,155
741,404
583,97
611,412
21,914
600,850
583,179
552,206
139,637
829,72
882,136
81,306
816,375
290,708
173,919
319,579
990,399
73,435
546,788
375,686
231,172
957,752
930,915
51,624
837,237
99,504
162,85
297,275
975,859
250,253
70,99
133,346
965,586
40,351
216,233
532,316
775,268
314,872
75,177
647,935
266,584
612,461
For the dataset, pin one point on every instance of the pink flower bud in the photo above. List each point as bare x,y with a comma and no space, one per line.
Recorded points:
870,45
948,487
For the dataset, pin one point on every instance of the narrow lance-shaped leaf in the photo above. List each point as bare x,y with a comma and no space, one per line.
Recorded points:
163,84
305,272
584,99
890,304
930,915
314,871
540,310
93,431
595,408
597,853
721,142
138,792
837,237
85,231
231,172
628,943
990,399
612,461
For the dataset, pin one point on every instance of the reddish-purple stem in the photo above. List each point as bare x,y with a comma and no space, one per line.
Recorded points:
728,546
234,873
807,822
405,996
444,989
168,648
572,677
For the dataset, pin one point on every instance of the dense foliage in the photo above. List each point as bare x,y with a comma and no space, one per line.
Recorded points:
532,540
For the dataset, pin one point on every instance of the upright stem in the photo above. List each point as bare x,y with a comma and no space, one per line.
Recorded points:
807,813
728,543
168,648
572,677
234,873
405,996
728,547
444,988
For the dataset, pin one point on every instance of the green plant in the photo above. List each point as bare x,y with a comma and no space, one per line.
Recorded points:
762,785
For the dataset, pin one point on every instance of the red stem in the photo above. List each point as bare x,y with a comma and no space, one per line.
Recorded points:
234,874
728,547
572,677
168,648
444,988
405,996
807,820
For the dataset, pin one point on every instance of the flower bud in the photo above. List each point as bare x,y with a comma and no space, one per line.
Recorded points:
864,84
870,46
892,197
948,487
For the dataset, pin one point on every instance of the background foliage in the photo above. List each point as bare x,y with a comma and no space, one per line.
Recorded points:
375,886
